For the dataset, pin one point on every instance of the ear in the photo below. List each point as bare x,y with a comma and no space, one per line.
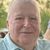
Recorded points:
7,24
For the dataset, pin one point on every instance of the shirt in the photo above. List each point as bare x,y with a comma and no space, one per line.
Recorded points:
7,44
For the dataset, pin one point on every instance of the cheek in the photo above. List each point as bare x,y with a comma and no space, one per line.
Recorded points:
36,29
17,26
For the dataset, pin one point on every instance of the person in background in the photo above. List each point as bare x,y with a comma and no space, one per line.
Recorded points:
23,24
2,34
47,33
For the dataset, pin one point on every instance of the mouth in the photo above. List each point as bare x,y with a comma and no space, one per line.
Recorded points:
26,32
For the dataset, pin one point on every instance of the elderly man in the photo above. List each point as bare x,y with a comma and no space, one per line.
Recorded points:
23,23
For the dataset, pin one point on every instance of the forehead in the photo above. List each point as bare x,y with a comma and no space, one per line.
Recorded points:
27,8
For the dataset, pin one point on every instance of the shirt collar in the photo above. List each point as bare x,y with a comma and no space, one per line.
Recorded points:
10,45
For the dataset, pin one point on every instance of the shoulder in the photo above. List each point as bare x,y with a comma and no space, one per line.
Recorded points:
2,45
43,44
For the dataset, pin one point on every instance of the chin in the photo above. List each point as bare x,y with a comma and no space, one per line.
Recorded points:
26,41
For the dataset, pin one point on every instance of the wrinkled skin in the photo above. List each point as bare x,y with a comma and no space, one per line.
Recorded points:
23,25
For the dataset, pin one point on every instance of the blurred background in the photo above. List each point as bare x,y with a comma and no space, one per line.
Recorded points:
44,12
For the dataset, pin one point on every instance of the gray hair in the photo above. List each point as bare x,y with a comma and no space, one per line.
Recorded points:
17,2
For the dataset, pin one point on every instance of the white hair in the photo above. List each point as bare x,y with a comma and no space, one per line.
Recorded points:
17,2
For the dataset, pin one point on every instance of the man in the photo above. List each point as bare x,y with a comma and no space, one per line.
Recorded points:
23,24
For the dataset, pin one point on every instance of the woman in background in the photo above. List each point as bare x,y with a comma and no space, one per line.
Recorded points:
47,33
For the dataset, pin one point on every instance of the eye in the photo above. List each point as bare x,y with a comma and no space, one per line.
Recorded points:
33,18
19,18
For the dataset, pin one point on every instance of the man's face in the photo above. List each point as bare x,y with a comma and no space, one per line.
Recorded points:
24,24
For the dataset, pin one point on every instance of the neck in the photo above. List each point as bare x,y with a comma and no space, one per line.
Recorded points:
29,47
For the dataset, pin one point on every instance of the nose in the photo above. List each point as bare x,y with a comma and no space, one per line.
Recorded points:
27,23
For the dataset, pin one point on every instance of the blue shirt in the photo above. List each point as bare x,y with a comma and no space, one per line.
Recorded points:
7,44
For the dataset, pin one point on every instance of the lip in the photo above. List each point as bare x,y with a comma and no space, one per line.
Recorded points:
26,32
